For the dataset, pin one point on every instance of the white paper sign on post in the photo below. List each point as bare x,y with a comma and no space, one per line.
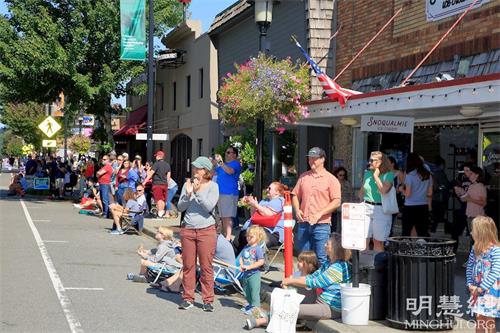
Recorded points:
353,226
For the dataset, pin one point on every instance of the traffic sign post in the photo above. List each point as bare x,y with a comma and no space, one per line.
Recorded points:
354,234
49,126
49,143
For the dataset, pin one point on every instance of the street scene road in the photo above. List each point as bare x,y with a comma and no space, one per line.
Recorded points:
62,272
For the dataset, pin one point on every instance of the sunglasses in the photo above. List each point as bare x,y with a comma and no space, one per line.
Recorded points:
229,152
140,190
371,160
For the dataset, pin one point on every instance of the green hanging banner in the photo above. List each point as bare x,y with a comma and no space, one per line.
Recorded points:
133,30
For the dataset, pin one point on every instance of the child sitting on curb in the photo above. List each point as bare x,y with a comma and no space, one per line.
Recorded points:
164,253
307,263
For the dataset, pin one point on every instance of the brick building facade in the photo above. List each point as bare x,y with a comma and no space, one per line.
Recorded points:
406,41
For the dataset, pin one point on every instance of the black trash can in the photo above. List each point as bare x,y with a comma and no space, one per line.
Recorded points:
421,271
375,273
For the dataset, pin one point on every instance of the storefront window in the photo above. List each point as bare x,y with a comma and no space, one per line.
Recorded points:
455,144
491,165
284,157
397,145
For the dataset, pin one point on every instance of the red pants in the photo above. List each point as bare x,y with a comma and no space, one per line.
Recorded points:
198,243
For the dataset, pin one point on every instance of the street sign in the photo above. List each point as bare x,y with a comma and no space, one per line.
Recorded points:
156,136
353,226
49,143
49,126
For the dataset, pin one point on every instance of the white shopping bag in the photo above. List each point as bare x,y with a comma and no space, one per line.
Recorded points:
285,305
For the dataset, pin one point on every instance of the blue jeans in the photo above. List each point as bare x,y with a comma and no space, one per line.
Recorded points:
105,192
170,195
313,237
119,193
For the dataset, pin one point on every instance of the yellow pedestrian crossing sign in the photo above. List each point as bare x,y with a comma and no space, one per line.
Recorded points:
49,126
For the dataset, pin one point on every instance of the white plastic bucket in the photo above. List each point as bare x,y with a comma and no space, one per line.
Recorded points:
355,304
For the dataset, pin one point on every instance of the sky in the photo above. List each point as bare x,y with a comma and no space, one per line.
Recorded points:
203,10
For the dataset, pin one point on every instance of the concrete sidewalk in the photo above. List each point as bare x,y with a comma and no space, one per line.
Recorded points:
275,274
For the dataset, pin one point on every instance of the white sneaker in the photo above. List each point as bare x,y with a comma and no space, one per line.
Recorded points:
77,206
160,214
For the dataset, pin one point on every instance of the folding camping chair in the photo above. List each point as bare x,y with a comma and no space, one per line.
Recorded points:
158,273
132,224
226,274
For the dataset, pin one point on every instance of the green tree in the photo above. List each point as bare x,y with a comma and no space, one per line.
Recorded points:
14,146
49,46
23,119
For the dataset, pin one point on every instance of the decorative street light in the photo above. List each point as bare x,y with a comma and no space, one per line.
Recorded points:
263,18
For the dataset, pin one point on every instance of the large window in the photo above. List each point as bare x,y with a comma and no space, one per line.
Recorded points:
174,97
188,91
201,82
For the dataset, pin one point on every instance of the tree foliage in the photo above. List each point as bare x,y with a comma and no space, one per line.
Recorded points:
49,46
13,146
23,119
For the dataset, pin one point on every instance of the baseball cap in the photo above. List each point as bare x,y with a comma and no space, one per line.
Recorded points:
138,157
202,162
316,152
125,155
160,153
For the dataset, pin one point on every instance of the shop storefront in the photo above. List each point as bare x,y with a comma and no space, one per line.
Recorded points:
458,120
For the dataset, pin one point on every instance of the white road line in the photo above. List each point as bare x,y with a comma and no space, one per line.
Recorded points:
54,241
64,300
77,288
41,220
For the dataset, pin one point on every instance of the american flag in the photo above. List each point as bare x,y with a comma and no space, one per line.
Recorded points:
332,90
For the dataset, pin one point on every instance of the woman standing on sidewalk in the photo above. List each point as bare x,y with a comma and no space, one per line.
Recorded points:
417,190
377,180
198,199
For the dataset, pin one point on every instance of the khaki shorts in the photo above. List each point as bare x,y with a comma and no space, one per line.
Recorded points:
60,183
228,204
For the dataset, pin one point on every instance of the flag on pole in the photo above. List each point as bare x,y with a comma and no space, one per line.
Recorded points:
133,30
332,90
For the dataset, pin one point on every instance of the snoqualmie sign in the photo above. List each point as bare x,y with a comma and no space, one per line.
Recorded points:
439,9
387,124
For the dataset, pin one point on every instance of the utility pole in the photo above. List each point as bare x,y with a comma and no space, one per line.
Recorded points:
149,141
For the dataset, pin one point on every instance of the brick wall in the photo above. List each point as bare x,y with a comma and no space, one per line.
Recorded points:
406,41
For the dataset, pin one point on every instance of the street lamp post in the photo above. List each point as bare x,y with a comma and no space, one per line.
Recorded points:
80,121
263,18
149,141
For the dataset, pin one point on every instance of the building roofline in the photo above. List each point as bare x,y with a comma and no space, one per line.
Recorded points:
425,86
231,14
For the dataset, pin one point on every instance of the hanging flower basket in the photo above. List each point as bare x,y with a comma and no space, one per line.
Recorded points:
265,88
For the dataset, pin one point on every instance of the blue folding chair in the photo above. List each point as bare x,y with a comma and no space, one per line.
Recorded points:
226,275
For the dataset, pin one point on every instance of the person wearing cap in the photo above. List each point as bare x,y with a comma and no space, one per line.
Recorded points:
315,196
198,199
160,177
228,173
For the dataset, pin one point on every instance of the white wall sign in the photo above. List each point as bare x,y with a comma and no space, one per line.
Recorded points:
439,9
387,124
156,136
353,226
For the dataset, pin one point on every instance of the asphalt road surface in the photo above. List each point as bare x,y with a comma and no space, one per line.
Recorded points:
63,272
